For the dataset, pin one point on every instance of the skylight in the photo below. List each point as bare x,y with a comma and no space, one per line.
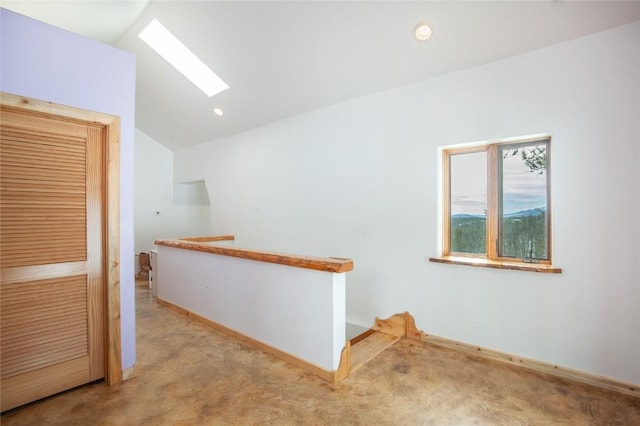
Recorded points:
177,54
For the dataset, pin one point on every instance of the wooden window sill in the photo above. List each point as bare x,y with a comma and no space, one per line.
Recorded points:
497,264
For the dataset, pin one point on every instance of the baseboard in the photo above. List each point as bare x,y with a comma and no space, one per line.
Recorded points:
403,325
128,373
539,366
333,377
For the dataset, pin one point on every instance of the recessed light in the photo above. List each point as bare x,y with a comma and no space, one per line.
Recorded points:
184,60
218,112
423,32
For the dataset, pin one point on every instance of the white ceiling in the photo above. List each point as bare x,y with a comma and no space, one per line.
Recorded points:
101,20
285,58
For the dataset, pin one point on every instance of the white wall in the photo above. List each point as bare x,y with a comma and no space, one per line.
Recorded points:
154,192
46,63
360,179
299,311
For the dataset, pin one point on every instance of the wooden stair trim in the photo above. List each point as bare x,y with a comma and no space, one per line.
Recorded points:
370,347
344,368
360,337
400,325
410,329
382,335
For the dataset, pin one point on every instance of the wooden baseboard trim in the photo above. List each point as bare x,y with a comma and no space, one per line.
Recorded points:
538,366
129,373
333,377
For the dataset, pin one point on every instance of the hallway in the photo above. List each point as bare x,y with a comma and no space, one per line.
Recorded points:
190,374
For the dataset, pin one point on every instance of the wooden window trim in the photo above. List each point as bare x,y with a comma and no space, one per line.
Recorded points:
491,259
496,264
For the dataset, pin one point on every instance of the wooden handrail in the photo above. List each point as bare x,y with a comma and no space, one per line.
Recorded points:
307,262
209,239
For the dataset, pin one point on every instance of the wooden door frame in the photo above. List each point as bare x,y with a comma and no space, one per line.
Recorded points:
111,123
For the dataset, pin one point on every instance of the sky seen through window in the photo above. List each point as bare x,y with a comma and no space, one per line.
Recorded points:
522,188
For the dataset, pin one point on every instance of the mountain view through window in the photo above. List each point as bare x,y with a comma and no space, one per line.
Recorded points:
522,188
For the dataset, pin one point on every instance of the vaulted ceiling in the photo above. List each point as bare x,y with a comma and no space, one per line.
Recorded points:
286,58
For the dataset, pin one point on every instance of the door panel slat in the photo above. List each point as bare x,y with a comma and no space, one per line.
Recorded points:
37,317
26,207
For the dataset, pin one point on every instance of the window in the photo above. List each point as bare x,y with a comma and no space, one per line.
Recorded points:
496,205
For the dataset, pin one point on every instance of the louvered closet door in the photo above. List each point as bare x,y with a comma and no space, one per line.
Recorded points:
51,256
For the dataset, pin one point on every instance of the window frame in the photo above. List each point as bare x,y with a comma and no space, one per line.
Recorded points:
492,258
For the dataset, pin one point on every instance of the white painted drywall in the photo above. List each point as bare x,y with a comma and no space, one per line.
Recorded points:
296,310
46,63
360,179
154,192
191,194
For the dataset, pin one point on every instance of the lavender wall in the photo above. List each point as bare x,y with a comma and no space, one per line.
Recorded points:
43,62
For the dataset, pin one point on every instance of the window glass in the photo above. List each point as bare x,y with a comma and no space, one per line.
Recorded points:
468,186
523,198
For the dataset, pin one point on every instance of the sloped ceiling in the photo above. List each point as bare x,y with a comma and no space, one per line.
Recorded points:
285,58
104,21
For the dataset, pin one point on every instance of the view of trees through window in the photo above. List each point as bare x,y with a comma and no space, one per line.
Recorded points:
468,186
522,181
523,230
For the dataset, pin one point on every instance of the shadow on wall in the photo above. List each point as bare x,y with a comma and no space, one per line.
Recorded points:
191,193
185,213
